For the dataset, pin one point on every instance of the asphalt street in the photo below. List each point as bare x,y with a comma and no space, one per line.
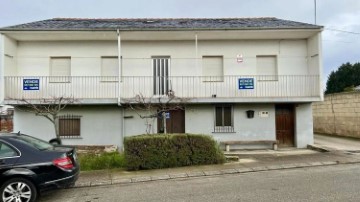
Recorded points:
324,183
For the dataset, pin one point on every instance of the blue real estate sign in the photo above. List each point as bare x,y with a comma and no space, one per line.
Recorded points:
31,84
246,83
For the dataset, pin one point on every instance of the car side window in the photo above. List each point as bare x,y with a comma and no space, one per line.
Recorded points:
6,151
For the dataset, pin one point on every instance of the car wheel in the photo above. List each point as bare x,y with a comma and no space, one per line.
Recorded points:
19,190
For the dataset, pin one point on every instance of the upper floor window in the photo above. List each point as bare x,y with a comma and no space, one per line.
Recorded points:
60,69
266,67
212,68
109,68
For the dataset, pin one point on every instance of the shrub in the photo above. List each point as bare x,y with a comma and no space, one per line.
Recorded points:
170,150
101,161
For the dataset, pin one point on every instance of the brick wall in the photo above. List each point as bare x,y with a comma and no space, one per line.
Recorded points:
339,114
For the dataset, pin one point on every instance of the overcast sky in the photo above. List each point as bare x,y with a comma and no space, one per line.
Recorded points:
338,47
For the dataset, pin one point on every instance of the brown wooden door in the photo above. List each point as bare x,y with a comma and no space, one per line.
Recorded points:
285,124
175,123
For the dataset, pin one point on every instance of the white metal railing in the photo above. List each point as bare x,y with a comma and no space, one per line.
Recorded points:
97,87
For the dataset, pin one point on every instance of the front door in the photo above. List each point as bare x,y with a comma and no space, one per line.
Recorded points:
161,68
175,122
285,124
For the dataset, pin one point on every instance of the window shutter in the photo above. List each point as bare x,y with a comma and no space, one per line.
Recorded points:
60,67
266,66
212,68
109,66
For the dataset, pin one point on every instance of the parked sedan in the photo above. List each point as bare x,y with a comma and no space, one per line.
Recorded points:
29,166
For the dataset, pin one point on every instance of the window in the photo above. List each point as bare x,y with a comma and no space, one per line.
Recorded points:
266,67
6,151
109,68
60,69
69,126
34,142
161,73
212,68
224,119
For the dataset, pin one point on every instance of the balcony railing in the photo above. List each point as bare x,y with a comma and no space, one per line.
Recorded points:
97,87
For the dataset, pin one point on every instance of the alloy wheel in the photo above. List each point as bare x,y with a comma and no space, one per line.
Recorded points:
17,192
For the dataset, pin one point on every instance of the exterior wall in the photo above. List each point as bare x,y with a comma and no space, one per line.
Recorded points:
100,125
33,57
134,125
315,64
200,119
303,125
338,114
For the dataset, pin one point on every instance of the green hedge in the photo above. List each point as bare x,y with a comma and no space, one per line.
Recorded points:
101,161
170,150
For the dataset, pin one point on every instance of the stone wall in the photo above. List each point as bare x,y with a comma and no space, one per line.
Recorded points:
338,114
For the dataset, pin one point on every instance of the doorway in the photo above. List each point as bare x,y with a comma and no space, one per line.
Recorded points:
285,124
175,122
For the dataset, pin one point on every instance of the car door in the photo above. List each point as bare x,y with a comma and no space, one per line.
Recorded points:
8,156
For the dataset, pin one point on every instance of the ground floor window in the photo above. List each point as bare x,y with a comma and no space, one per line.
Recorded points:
224,119
69,126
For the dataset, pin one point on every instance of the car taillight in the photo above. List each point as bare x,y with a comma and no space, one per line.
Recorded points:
63,163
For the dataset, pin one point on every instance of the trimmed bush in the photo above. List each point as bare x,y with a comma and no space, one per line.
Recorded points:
170,150
101,161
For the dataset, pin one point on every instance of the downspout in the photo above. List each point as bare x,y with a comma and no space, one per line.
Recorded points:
119,69
119,90
196,51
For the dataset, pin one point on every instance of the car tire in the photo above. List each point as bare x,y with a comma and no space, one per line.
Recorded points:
27,193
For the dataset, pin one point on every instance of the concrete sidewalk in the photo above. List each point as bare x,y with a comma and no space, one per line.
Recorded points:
249,161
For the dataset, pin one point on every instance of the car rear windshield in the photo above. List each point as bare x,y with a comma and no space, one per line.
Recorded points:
34,142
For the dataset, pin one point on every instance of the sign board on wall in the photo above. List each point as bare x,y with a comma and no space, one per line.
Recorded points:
246,83
31,84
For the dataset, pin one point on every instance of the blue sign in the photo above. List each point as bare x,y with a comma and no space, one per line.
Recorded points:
167,115
246,83
31,84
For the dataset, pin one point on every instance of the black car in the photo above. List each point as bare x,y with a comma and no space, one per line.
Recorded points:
29,166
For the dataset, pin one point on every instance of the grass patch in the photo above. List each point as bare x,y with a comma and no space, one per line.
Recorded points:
101,161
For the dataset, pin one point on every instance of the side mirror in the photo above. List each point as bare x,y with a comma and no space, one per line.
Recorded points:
55,141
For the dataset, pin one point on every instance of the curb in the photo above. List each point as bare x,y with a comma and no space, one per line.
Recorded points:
210,173
318,148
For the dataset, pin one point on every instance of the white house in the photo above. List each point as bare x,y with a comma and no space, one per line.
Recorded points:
237,79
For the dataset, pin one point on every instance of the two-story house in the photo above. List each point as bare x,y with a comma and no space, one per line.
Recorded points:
234,78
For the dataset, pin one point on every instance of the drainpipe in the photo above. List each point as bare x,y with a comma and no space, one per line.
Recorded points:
196,51
119,69
119,90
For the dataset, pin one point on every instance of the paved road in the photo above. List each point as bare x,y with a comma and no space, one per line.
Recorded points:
337,143
326,183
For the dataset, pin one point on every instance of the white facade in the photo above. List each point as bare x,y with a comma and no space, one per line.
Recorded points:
296,80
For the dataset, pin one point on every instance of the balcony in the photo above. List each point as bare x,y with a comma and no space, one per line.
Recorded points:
97,89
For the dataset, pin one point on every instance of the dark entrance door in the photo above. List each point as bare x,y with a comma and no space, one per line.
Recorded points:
285,124
175,122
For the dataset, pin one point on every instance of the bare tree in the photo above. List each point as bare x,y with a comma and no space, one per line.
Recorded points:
47,108
155,107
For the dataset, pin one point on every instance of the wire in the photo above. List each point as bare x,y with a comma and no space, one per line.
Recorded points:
338,30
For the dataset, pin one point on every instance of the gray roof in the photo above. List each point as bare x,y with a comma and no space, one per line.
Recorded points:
73,24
